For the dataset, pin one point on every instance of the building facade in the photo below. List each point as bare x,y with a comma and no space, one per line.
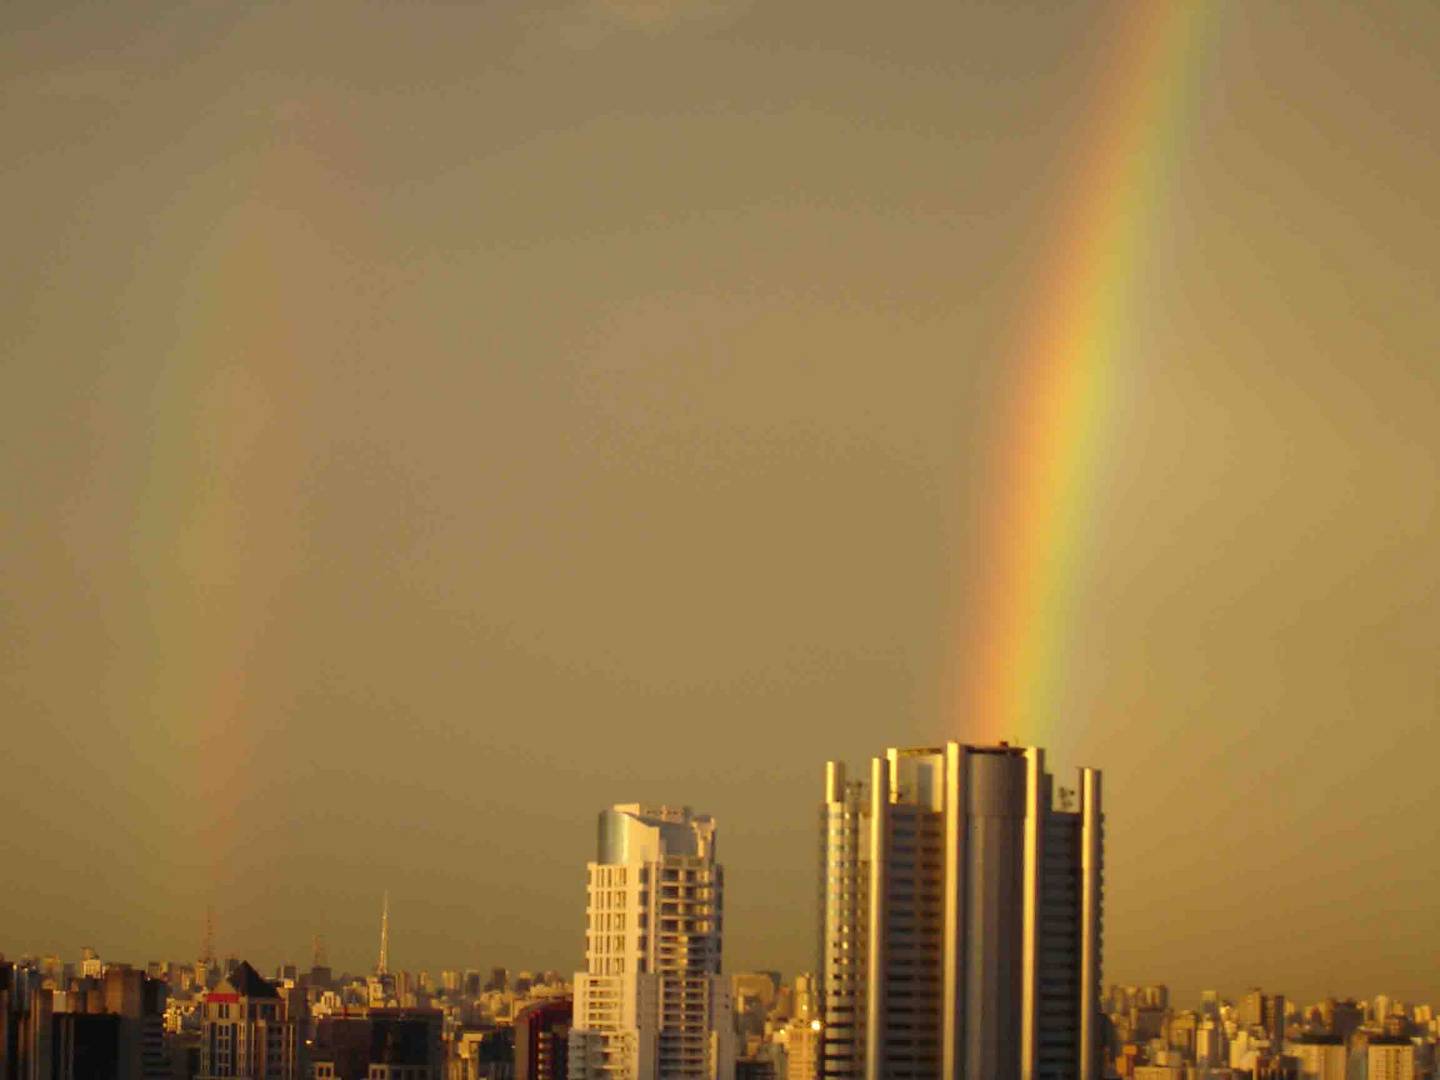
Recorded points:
1389,1057
379,1044
805,1032
652,1002
844,923
961,918
249,1029
542,1040
1321,1057
105,1027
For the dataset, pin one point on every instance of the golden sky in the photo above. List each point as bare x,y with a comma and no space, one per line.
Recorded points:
430,423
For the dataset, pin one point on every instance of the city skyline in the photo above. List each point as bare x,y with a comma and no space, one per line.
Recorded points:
428,425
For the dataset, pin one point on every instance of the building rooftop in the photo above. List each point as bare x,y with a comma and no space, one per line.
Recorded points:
247,982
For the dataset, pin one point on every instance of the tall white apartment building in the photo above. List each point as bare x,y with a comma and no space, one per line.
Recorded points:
961,916
651,1003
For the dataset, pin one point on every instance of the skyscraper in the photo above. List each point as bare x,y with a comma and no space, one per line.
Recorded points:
651,1002
960,930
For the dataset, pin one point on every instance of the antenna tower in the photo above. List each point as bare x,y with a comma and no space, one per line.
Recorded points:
317,953
383,967
207,936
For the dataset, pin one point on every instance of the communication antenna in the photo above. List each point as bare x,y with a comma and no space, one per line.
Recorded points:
207,935
317,953
383,967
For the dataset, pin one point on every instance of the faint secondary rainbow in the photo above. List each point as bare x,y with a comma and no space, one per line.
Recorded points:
217,533
1053,434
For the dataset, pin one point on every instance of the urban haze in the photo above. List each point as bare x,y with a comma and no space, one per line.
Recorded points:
429,425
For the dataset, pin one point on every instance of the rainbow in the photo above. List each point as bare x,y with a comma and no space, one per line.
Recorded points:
1048,472
218,528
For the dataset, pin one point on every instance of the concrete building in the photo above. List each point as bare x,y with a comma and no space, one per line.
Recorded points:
754,1069
1390,1058
139,1001
109,1027
844,923
804,1032
1272,1019
960,929
1210,1046
249,1029
1342,1017
379,1044
1321,1057
652,1002
1252,1008
542,1039
87,1046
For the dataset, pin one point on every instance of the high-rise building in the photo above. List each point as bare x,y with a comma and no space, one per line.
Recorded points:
1210,1048
961,918
804,1034
1252,1008
139,1001
844,923
1341,1017
542,1039
1390,1057
91,966
1179,1032
652,1002
1321,1056
248,1028
108,1028
1272,1018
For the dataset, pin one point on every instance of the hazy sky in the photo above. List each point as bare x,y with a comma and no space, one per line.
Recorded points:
429,423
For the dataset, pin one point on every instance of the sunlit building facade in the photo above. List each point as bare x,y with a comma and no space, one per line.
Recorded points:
250,1029
1390,1057
1320,1056
804,1034
652,1003
961,918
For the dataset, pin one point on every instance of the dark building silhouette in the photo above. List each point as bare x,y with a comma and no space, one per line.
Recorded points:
101,1028
542,1040
87,1046
378,1042
754,1069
